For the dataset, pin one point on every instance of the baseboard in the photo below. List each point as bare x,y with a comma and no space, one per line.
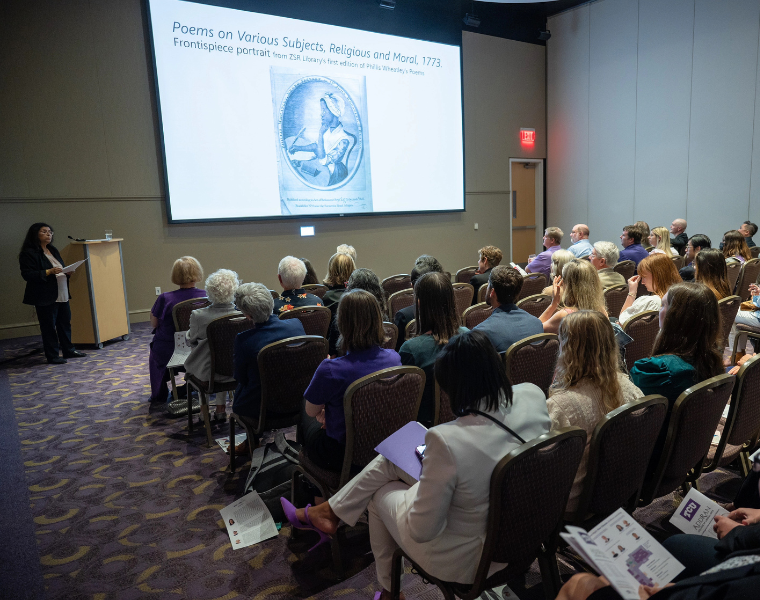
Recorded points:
32,328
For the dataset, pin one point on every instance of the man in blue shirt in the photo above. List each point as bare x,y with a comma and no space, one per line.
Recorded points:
581,246
507,323
632,248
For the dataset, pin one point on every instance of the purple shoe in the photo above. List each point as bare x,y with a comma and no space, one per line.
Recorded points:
290,514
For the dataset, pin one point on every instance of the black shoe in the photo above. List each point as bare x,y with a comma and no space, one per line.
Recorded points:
74,354
57,361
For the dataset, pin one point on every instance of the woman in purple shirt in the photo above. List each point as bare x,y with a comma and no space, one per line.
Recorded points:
323,426
186,272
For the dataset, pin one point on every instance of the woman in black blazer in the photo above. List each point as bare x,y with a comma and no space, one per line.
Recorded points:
48,291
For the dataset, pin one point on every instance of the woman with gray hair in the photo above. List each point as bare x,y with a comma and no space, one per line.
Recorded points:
220,290
291,273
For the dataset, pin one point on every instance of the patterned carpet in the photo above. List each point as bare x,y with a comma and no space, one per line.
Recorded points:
125,505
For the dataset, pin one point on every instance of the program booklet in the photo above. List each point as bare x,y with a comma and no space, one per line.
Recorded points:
695,514
624,552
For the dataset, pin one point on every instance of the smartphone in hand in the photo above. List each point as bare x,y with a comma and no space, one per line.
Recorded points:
420,451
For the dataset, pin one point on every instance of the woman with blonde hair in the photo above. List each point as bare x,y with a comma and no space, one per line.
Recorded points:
735,247
559,259
588,381
186,272
656,273
710,269
339,269
659,238
578,288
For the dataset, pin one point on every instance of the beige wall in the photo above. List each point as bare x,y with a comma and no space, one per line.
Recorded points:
79,150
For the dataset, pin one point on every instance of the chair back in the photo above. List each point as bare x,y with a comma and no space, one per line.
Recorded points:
391,335
743,421
626,268
678,261
443,413
734,270
482,293
315,319
221,335
475,315
463,294
643,328
286,368
755,251
399,300
317,289
533,360
396,283
533,284
535,304
181,312
750,272
615,297
411,330
693,422
375,407
464,275
619,454
728,308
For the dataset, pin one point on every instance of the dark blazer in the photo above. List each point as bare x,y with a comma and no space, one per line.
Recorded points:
679,242
509,324
687,273
41,289
401,320
332,297
476,281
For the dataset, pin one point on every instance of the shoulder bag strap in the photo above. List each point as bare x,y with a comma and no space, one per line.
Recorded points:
499,423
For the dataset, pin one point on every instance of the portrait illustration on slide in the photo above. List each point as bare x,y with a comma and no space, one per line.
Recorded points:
322,143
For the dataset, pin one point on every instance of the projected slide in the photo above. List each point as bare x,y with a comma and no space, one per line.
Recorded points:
266,117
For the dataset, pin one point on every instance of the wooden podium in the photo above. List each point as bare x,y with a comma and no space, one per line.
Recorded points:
98,292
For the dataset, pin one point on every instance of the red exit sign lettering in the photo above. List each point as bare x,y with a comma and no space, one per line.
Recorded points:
528,136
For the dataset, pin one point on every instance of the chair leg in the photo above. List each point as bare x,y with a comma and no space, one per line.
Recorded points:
336,556
552,582
397,568
744,463
232,444
206,418
190,408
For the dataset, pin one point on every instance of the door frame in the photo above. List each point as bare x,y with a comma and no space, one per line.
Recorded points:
539,162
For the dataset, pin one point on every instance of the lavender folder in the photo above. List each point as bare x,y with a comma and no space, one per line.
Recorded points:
399,448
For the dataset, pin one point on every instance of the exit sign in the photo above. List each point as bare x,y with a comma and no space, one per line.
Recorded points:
527,136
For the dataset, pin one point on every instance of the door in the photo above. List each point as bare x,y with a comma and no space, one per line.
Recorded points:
523,211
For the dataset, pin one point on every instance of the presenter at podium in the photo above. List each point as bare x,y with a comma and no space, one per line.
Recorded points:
47,289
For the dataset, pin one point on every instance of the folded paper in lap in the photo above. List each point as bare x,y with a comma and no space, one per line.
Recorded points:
695,514
181,351
399,448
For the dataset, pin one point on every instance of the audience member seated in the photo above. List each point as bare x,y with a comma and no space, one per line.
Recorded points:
578,288
747,229
604,257
588,381
507,323
437,323
632,248
735,247
339,269
678,229
346,249
311,275
559,259
220,290
361,279
543,262
255,301
710,269
660,241
745,317
488,258
695,244
644,228
656,273
291,273
424,264
581,246
186,272
323,424
440,521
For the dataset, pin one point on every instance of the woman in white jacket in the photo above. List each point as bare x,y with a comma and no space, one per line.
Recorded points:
440,521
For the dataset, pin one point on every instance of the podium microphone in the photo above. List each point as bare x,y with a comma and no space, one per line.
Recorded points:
77,239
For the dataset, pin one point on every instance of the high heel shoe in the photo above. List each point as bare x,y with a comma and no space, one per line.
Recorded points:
290,514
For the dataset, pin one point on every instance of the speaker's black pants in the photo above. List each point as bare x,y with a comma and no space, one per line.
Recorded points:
55,327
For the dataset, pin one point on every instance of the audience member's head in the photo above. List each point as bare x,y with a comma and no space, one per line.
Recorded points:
660,240
291,273
690,328
221,285
359,322
255,301
339,269
605,255
559,259
505,283
552,236
710,269
748,229
365,279
346,249
425,264
436,310
579,232
488,258
311,275
644,228
678,226
472,374
631,235
696,243
581,286
186,271
735,244
588,352
658,273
